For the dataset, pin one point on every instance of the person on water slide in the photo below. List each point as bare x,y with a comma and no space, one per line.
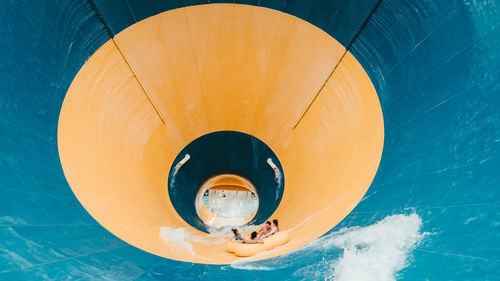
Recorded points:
274,227
252,240
268,229
237,235
264,230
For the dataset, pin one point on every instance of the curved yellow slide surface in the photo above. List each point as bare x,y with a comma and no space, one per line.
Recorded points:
209,68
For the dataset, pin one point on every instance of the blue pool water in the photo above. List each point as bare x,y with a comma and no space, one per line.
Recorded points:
432,212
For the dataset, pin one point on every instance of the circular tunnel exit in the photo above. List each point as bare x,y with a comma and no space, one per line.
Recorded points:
225,153
226,200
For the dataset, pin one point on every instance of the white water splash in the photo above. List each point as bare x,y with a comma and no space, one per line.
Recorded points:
225,231
277,174
178,166
372,253
180,238
248,266
177,238
376,252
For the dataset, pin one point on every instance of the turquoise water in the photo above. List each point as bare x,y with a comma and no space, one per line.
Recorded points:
432,212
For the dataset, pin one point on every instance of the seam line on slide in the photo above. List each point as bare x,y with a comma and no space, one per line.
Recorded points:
108,29
138,80
338,63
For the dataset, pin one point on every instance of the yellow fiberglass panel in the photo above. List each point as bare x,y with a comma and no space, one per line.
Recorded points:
230,67
161,53
115,153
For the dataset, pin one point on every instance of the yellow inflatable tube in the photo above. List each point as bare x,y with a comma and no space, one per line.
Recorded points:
246,250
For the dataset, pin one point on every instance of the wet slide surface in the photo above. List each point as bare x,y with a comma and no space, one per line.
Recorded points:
432,209
326,130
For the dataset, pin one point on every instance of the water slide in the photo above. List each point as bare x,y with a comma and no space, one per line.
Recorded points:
370,129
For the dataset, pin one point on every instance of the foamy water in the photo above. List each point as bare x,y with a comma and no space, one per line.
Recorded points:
277,174
226,230
376,252
373,253
177,238
181,240
177,167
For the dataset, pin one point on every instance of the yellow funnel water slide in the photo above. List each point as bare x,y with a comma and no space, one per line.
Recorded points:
172,78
